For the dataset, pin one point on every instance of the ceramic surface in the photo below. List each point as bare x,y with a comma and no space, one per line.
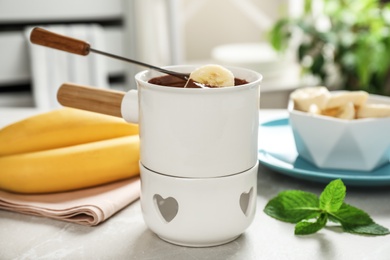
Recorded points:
277,151
331,143
201,211
196,132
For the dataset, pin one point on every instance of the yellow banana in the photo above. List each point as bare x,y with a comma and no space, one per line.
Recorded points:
61,128
72,167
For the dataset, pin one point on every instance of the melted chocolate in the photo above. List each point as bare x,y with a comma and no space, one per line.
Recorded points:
171,81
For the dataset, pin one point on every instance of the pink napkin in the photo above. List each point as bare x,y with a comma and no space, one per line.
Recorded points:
86,207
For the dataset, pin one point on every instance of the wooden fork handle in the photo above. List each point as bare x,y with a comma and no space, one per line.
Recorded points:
57,41
93,99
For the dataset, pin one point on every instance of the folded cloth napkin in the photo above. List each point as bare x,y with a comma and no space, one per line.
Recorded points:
86,207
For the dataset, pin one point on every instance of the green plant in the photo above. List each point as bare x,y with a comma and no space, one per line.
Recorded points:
352,37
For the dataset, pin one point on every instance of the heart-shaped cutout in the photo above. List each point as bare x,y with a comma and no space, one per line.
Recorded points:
168,207
245,199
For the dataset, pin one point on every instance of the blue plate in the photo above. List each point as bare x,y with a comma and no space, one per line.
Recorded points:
277,151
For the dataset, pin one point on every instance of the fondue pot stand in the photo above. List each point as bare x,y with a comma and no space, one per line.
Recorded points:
198,152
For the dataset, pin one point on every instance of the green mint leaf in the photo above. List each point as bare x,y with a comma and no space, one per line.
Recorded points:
311,226
333,196
351,216
370,229
293,206
354,220
333,219
312,213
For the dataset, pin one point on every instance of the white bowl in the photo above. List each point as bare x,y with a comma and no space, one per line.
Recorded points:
332,143
198,212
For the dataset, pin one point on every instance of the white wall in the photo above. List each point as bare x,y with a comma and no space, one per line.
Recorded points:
207,24
199,26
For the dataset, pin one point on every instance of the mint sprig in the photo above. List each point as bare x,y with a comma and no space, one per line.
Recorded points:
311,213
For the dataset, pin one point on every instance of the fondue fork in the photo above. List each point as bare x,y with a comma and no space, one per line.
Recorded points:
57,41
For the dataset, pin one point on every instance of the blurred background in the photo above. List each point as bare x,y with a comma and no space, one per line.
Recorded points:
266,36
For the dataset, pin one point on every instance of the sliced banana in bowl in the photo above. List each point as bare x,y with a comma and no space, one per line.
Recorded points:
374,110
339,104
340,98
305,97
347,131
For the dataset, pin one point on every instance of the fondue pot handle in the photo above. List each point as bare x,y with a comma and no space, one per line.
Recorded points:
93,99
60,42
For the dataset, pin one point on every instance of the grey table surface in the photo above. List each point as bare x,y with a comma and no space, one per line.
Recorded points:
125,235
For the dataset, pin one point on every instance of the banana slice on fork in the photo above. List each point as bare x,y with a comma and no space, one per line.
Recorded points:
213,76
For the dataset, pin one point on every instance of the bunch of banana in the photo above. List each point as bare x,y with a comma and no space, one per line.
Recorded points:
344,105
67,149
